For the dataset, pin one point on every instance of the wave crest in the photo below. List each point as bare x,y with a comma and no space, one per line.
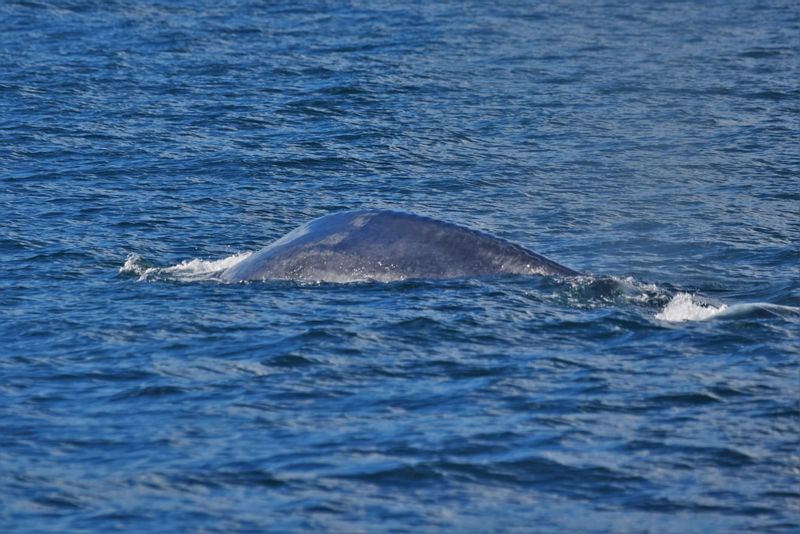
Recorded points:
687,307
186,271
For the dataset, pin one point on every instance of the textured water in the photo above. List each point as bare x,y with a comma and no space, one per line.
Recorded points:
652,145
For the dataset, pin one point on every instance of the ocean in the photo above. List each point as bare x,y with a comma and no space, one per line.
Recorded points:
652,146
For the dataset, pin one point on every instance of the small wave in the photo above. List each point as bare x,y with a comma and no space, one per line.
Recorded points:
687,307
752,307
591,290
185,271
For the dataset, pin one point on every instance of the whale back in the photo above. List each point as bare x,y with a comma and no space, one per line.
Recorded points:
387,245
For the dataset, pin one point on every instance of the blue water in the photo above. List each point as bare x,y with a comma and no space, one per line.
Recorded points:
651,145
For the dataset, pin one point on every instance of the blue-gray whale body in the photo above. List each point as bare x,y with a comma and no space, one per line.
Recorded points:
386,245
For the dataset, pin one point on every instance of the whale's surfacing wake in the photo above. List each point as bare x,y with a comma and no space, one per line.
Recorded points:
386,246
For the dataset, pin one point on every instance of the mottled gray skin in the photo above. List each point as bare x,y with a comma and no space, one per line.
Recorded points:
387,245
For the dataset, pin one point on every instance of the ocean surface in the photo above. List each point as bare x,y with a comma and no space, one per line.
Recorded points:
653,146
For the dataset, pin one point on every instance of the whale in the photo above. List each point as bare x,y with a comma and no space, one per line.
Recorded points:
384,245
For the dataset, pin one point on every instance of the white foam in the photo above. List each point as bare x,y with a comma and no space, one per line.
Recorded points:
687,307
132,264
187,270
